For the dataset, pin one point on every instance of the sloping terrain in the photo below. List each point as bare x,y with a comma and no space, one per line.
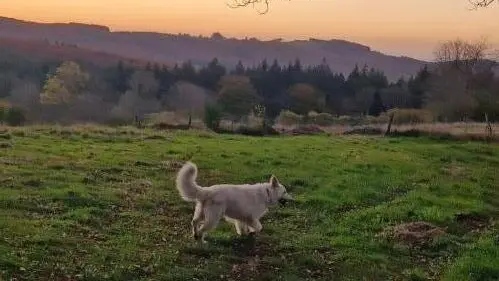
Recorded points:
168,48
40,51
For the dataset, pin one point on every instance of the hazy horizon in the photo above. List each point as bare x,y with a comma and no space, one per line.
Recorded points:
412,28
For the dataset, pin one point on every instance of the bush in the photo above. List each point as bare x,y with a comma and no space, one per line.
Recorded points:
289,118
347,120
212,116
408,116
14,117
321,119
3,112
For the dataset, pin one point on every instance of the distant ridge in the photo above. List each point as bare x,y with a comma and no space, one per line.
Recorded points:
341,55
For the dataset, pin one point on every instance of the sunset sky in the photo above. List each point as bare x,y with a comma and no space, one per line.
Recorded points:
400,27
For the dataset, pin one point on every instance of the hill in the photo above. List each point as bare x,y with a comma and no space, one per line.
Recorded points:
167,48
39,51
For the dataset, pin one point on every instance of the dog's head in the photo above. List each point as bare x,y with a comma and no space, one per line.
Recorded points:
279,192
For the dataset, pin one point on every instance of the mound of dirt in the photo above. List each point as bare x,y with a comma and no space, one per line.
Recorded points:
472,222
414,234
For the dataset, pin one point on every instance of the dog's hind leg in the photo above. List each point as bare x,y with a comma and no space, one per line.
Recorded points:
212,216
197,218
254,226
241,228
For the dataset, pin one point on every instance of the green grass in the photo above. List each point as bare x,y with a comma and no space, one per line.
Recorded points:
97,203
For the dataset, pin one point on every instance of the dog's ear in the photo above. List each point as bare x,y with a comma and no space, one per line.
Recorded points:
274,182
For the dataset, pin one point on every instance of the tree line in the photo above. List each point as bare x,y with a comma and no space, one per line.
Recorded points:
454,89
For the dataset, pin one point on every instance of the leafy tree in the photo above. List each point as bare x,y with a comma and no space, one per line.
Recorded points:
132,106
68,82
237,96
187,98
449,98
305,98
144,84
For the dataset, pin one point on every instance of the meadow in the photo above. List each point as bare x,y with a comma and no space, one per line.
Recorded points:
99,203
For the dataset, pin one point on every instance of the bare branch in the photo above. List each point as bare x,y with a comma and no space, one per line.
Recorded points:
245,3
481,3
461,55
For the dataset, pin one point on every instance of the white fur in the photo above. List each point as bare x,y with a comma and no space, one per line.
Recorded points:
242,205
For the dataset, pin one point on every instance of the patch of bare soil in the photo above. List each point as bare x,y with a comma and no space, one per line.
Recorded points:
172,165
454,171
251,251
414,234
472,222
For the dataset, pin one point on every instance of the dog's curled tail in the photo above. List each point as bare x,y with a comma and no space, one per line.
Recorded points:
186,183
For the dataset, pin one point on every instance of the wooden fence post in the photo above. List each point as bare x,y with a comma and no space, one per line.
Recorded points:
488,128
389,128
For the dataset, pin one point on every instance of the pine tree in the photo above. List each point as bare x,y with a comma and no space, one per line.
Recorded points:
239,70
377,106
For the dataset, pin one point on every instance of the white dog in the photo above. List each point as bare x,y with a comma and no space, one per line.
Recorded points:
242,205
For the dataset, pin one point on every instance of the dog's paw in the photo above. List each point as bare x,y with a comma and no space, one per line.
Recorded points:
196,236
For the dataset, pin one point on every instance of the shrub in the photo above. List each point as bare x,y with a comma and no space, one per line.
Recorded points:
289,118
14,117
348,120
321,119
3,112
212,116
408,116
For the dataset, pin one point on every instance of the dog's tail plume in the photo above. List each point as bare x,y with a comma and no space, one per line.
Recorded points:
189,190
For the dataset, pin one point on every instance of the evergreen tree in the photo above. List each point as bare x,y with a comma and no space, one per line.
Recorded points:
120,78
187,72
418,86
377,106
239,70
211,74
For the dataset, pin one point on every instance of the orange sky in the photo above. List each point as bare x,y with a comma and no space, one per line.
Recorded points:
401,27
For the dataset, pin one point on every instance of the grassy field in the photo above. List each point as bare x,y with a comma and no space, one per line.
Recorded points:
89,203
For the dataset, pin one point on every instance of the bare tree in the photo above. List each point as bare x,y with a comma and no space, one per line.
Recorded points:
451,95
461,55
